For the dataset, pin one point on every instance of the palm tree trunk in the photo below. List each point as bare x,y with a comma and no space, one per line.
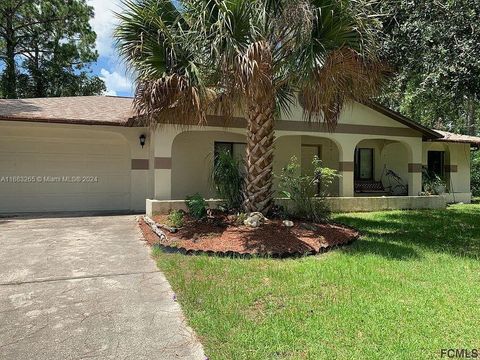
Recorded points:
259,160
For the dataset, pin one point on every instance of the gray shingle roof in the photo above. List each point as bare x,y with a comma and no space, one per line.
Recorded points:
458,138
87,110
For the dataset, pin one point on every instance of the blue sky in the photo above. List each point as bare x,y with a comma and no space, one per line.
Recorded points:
109,66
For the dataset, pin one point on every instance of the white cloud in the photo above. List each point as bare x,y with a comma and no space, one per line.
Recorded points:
103,24
115,82
110,93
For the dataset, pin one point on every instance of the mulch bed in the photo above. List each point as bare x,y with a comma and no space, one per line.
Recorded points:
220,235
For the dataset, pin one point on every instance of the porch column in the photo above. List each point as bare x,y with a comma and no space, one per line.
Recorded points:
414,179
415,150
162,162
346,166
346,179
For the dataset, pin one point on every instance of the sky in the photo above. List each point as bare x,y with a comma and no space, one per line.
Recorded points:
109,65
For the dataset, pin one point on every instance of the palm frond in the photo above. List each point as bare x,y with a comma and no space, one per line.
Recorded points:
343,77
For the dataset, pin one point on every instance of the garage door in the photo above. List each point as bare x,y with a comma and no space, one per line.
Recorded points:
62,168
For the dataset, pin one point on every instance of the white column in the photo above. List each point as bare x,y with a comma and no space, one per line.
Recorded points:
162,161
346,167
415,149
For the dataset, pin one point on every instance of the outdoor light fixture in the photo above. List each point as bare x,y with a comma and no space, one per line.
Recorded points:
142,139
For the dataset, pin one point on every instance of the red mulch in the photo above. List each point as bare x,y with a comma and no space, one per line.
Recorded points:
221,235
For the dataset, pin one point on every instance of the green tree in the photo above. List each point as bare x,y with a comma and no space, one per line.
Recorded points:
46,48
434,48
202,56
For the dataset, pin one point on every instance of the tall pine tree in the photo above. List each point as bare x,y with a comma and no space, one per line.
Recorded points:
46,48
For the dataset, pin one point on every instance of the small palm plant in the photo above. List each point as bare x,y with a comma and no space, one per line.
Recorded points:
197,57
227,177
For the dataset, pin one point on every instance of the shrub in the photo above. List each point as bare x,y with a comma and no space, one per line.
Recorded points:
475,180
227,178
176,218
432,184
306,192
197,206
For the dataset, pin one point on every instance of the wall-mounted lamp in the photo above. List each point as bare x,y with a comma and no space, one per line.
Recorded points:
142,139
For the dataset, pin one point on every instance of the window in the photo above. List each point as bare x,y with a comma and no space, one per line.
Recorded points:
236,149
363,164
436,163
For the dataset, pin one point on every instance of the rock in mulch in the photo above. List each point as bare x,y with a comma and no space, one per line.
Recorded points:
255,219
287,223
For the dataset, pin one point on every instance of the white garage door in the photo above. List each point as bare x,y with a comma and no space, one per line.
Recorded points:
60,168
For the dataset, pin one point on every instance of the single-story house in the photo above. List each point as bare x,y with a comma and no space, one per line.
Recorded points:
90,153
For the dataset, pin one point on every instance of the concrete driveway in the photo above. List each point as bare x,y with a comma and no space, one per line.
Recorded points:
85,287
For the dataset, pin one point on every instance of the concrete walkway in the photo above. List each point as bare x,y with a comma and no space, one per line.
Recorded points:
85,287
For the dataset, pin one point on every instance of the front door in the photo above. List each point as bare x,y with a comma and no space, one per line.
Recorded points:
364,164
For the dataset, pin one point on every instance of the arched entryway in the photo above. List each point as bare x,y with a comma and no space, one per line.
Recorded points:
304,148
381,168
192,160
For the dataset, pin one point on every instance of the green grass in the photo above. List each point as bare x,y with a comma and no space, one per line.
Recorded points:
407,288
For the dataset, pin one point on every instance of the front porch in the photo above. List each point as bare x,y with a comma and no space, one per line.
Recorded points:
368,165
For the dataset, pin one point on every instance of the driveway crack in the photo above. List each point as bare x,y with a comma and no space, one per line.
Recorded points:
66,278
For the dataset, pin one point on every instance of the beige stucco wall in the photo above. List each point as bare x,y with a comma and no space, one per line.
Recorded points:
55,150
336,204
355,113
192,161
458,155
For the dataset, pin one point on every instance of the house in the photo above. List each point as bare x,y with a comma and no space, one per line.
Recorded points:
90,153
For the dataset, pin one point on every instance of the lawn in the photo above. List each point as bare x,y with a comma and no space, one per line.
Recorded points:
407,288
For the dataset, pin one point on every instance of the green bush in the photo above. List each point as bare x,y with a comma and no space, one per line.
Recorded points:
227,178
197,206
475,180
306,192
176,218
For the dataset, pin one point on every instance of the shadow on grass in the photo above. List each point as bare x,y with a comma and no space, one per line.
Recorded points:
385,249
401,234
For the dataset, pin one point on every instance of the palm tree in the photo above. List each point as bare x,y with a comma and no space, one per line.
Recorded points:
198,57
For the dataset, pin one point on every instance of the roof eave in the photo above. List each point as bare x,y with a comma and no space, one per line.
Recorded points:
63,121
428,134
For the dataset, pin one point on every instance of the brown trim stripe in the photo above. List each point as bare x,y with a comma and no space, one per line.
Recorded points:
140,164
291,125
451,168
414,168
163,163
346,166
